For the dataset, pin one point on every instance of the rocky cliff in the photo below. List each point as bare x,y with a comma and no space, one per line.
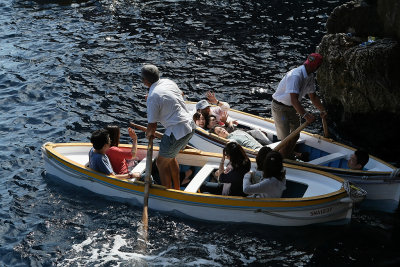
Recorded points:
359,80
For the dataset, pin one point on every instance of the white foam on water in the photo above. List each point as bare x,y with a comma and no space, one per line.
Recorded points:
93,250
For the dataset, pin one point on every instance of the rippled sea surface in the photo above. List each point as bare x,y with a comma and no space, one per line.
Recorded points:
70,67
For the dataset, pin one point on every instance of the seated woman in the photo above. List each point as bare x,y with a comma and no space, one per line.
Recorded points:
273,182
239,136
260,158
119,156
200,120
231,177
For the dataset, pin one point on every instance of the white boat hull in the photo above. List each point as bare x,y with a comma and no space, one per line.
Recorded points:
334,210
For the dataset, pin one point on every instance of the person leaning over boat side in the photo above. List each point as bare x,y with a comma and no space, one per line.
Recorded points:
273,182
239,136
286,108
358,159
165,104
199,119
118,156
98,159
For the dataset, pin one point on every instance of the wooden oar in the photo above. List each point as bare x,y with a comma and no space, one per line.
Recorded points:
290,136
147,186
325,126
144,129
156,133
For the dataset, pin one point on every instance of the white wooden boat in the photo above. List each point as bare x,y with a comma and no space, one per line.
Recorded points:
383,188
312,197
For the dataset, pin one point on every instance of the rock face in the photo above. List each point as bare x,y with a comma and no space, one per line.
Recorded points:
360,83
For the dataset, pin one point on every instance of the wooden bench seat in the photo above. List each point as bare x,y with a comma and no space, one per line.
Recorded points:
273,145
198,180
327,158
141,166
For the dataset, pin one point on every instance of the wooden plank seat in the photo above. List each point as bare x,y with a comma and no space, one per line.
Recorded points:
273,145
200,177
327,158
141,166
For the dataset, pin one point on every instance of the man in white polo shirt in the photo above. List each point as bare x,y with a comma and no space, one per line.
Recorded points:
286,107
165,104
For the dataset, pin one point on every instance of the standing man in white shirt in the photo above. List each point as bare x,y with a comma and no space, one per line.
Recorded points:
165,104
286,107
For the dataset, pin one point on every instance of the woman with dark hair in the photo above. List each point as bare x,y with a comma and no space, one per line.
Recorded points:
200,120
118,156
273,182
232,175
260,158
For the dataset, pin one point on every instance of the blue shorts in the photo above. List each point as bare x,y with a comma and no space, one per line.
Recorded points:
170,147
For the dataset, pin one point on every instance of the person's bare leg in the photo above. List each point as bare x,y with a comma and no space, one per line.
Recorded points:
174,170
187,175
163,165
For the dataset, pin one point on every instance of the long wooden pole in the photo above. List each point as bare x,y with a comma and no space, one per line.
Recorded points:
290,136
144,129
325,126
147,186
156,133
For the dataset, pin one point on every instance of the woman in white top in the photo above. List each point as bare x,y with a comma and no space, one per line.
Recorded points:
273,181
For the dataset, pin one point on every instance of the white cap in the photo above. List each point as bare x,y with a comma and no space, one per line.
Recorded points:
202,104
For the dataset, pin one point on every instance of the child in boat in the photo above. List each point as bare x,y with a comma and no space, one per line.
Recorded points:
98,159
118,156
358,160
273,182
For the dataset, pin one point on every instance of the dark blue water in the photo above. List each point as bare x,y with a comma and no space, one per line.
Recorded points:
70,67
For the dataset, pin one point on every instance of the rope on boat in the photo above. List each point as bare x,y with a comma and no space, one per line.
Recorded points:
355,193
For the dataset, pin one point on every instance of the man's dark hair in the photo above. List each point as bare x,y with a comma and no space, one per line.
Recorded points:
362,156
99,138
150,73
